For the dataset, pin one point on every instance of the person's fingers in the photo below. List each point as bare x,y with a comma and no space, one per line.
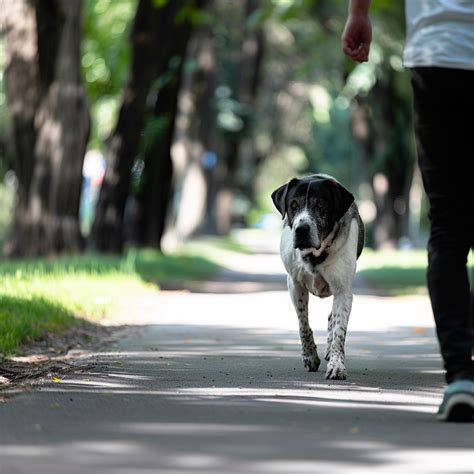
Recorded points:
351,49
361,54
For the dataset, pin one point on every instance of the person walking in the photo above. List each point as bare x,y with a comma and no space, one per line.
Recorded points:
439,51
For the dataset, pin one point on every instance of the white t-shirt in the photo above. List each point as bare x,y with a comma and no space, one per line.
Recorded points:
440,33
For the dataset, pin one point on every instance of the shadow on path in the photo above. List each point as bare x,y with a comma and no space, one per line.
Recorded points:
197,398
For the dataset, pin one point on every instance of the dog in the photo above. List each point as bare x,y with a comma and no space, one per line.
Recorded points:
323,236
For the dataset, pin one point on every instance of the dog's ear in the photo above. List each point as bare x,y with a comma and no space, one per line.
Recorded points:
342,200
279,197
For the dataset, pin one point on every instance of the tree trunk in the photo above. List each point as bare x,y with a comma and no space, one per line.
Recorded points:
379,125
195,136
154,196
23,96
49,222
151,41
391,222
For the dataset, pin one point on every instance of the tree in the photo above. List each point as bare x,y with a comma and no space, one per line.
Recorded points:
50,124
155,188
152,40
195,134
218,110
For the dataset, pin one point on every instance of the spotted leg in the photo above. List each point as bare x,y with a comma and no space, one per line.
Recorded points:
299,297
329,343
341,309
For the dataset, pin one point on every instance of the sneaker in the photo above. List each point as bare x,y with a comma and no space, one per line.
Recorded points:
458,402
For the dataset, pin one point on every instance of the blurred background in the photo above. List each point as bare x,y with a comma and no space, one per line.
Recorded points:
140,141
146,122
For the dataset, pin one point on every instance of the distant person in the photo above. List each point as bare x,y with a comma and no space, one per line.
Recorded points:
439,51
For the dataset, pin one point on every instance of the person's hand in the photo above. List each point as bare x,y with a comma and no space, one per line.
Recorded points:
357,37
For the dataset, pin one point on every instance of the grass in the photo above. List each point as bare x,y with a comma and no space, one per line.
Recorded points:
49,295
397,272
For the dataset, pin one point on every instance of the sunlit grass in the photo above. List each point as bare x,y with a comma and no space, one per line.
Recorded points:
397,272
48,295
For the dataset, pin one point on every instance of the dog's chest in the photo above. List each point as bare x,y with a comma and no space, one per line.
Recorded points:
316,284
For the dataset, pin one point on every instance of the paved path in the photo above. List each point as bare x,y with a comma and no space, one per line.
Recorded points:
213,382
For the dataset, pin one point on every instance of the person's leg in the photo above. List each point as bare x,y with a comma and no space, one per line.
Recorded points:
444,108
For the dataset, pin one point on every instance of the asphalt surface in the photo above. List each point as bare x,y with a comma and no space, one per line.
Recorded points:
212,382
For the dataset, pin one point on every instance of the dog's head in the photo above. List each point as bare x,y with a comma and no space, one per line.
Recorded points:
314,205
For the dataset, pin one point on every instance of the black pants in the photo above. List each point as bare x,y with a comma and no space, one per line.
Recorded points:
444,118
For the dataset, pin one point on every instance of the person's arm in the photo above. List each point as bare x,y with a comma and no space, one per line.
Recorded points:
358,31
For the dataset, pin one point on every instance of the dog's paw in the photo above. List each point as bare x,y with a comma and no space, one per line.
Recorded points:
311,363
327,356
336,370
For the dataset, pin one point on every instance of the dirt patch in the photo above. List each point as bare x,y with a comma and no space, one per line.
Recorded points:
55,355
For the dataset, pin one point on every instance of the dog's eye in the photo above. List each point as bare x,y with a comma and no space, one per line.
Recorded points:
320,204
294,206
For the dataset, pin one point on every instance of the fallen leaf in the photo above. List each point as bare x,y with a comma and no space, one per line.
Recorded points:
355,430
55,405
56,379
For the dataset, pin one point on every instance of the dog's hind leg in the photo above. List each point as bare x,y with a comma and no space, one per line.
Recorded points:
299,297
341,310
329,343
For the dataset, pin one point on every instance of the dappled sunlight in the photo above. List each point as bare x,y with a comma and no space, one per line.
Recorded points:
369,405
225,399
201,429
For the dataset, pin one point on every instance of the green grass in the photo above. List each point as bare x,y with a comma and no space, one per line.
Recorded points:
397,272
27,318
50,294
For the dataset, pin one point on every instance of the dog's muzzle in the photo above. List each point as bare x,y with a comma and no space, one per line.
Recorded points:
302,237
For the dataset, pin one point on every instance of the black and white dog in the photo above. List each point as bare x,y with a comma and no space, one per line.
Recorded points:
322,238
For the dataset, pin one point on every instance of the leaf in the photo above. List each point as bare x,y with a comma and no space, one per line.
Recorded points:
258,18
420,331
159,3
56,379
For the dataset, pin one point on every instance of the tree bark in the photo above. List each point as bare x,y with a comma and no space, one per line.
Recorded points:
195,135
23,96
151,41
154,196
48,221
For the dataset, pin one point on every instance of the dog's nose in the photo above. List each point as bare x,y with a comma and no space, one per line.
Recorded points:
302,230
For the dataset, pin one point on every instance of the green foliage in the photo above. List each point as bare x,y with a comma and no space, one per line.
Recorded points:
105,60
310,94
159,3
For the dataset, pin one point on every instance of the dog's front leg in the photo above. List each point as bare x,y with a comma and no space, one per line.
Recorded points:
341,310
329,343
299,297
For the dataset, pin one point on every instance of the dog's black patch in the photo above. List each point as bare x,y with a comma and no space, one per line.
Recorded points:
313,261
